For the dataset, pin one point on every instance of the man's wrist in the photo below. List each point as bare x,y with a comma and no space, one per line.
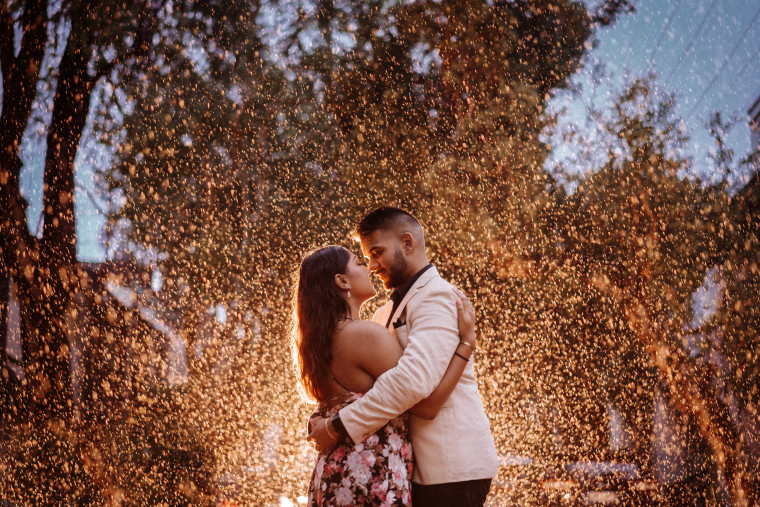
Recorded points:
337,425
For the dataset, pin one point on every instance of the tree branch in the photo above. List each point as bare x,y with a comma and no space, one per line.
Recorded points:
20,74
34,25
138,50
6,42
607,12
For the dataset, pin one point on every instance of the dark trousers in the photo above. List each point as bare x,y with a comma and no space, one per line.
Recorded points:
453,494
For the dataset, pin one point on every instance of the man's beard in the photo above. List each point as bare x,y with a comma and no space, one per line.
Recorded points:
397,272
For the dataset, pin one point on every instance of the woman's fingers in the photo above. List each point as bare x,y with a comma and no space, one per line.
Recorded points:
466,303
460,294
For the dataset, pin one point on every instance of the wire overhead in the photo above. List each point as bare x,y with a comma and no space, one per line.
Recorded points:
664,31
728,58
693,39
747,65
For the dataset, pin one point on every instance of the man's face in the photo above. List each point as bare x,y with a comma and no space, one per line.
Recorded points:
386,258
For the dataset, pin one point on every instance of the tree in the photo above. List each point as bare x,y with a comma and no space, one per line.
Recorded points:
20,72
45,269
644,234
207,162
244,150
732,328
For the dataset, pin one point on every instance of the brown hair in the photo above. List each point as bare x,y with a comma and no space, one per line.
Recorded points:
318,306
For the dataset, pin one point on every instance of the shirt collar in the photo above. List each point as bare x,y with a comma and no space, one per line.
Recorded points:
400,292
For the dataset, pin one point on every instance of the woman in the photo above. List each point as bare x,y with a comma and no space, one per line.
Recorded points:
339,356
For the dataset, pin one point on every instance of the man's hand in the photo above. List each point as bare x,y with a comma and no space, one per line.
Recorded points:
320,436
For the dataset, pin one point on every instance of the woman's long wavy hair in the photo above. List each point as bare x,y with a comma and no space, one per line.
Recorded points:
318,306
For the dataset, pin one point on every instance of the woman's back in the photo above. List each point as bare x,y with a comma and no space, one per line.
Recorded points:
361,351
379,469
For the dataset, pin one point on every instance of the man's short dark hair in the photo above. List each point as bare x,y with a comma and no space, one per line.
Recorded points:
384,217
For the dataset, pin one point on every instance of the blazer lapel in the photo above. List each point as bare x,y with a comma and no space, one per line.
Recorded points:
421,282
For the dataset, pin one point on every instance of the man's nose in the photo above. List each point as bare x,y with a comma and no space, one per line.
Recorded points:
373,265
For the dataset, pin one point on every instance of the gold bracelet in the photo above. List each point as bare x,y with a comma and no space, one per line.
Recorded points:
327,429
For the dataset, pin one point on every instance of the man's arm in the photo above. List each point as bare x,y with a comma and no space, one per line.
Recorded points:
433,338
430,406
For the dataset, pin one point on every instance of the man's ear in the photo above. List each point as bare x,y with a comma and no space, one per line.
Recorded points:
407,242
342,282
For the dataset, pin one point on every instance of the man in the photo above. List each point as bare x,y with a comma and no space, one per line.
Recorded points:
455,457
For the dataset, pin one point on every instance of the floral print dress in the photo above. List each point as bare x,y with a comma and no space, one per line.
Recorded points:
377,471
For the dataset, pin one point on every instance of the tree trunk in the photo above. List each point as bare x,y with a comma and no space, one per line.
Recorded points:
6,401
693,396
44,331
20,75
45,270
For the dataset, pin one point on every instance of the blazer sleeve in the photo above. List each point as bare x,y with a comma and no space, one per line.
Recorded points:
433,338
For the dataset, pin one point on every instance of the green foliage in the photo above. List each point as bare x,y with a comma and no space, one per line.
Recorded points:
734,324
638,222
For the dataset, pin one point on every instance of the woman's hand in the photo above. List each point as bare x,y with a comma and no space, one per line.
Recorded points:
466,317
322,437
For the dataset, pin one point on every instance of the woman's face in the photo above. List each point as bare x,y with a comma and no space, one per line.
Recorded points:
358,278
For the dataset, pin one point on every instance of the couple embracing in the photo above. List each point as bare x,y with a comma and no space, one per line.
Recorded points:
400,420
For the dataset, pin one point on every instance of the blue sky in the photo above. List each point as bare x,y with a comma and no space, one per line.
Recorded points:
705,51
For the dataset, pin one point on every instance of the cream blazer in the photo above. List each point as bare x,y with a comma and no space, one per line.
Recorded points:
457,445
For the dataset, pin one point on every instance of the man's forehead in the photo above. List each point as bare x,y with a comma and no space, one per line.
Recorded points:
375,239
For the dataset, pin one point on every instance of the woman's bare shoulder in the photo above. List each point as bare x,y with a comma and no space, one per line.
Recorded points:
367,345
362,332
369,325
